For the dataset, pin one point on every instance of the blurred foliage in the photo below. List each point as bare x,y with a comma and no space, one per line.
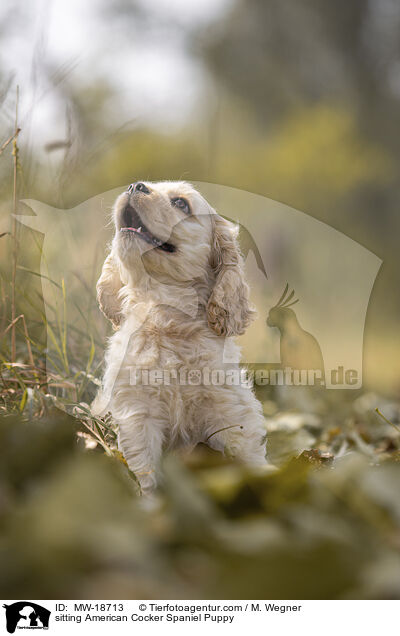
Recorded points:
279,56
319,149
72,525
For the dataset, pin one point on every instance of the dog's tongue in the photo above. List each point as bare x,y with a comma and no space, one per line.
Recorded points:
134,229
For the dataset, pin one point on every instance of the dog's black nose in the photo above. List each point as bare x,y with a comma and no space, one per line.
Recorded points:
138,187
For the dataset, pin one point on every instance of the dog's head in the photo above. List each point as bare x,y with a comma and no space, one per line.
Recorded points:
167,231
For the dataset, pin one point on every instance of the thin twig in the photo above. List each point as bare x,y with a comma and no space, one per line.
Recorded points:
9,140
386,420
223,429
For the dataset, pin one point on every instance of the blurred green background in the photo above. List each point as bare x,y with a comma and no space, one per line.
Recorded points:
297,101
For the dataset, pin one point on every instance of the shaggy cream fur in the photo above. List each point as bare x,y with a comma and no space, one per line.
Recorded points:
174,288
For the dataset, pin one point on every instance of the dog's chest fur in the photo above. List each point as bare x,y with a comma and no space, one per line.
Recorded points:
172,345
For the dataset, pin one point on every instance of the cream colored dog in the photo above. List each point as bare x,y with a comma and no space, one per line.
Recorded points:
174,288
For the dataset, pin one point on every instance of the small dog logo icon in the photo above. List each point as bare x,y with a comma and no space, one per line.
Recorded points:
26,615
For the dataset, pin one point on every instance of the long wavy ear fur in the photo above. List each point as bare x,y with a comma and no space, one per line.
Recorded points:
107,288
228,310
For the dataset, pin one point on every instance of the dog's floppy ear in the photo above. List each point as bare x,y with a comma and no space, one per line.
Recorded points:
108,286
228,310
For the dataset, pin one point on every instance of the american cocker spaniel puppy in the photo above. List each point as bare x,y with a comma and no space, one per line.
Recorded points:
173,286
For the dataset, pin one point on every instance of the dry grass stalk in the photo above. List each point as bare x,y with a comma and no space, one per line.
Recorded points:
14,232
27,339
9,140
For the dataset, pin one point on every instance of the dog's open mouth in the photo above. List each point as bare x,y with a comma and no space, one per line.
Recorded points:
131,222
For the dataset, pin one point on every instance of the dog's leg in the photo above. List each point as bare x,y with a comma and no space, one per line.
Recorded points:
140,439
238,428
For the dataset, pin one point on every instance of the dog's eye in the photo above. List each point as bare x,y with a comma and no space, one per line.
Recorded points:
182,204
